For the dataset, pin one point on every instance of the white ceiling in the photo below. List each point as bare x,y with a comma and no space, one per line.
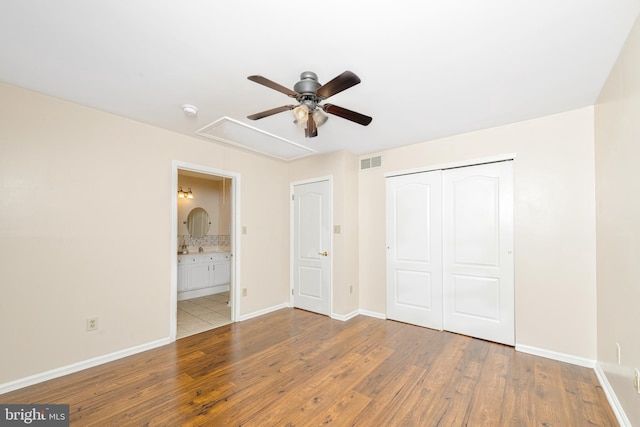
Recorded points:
429,68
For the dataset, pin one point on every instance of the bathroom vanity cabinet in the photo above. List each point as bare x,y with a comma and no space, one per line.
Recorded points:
203,274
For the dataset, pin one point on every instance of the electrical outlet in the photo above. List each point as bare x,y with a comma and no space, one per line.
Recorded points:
618,354
92,324
636,379
244,292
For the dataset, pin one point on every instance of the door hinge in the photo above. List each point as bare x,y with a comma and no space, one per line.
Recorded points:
293,197
291,291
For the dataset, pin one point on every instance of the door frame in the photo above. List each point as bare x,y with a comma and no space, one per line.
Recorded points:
292,186
235,284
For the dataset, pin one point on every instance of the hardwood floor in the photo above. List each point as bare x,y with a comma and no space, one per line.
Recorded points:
295,368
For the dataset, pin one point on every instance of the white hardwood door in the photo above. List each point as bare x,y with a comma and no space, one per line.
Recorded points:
478,251
311,246
414,252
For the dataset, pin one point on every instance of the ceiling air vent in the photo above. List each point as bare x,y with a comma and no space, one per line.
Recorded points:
370,162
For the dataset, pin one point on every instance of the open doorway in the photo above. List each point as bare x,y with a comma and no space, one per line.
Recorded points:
204,217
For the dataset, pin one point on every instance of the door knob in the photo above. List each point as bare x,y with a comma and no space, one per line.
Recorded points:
325,253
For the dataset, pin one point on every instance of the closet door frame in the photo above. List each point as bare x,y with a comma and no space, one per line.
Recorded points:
451,165
465,163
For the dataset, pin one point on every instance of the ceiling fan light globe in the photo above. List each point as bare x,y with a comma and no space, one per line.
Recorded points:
319,117
301,114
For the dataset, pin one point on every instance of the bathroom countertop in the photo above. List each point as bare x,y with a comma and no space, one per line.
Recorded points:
211,251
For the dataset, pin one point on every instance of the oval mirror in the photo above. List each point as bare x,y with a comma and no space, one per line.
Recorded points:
198,223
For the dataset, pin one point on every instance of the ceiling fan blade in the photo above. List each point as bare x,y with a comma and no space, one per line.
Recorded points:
338,84
311,129
347,114
271,112
273,85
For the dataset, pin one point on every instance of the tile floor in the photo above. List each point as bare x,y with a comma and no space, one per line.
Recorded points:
201,314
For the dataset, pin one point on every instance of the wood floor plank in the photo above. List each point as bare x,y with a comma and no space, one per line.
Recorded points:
551,398
395,406
316,360
295,368
343,412
590,399
438,378
318,393
486,404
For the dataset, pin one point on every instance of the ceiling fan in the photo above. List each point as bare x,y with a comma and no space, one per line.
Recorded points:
309,94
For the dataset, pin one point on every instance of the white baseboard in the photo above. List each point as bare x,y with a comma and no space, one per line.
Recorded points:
345,317
616,407
202,292
79,366
562,357
263,311
373,314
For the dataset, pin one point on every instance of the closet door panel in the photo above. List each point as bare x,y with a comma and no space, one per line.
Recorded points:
414,257
477,242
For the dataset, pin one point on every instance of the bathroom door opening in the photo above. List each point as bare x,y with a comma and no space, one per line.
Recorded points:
204,259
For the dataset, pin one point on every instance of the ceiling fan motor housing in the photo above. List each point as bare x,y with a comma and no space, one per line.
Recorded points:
308,84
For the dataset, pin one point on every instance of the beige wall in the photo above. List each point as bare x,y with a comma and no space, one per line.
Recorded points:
342,167
618,224
554,220
85,230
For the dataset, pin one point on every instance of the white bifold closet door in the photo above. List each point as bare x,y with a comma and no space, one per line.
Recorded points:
450,250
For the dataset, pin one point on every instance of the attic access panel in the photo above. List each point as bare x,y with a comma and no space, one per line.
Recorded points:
241,135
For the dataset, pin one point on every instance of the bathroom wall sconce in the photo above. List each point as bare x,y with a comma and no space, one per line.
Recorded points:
185,194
